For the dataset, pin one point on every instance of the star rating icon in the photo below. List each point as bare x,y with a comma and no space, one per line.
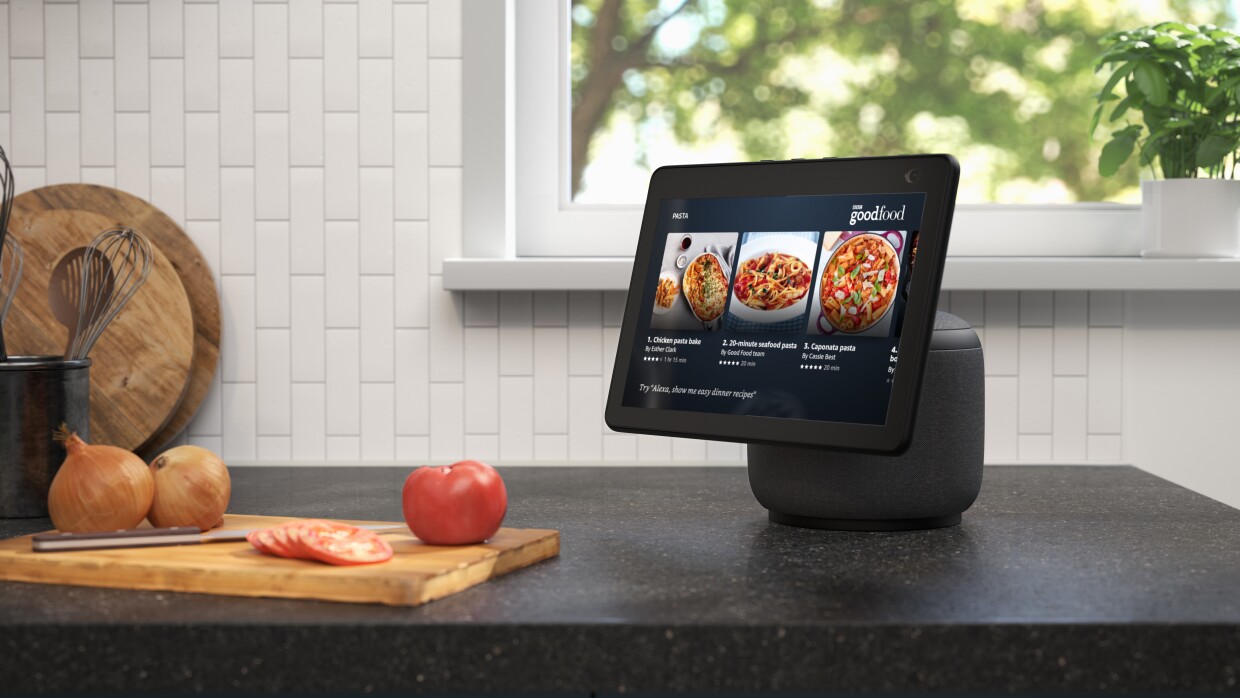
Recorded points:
723,362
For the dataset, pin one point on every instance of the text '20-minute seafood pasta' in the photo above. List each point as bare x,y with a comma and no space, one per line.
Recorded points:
772,281
706,287
859,283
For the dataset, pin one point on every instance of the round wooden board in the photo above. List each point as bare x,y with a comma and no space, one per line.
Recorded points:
100,208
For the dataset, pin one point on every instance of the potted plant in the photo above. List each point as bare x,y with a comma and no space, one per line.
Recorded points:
1180,114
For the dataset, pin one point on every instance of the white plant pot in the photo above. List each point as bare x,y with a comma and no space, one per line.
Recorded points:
1190,218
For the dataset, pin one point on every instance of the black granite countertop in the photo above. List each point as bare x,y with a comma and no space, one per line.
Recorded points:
1060,578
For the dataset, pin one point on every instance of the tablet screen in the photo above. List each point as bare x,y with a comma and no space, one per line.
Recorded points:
784,306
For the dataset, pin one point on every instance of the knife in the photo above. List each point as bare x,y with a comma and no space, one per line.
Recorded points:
151,537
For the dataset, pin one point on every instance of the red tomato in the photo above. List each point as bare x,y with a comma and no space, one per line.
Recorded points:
455,504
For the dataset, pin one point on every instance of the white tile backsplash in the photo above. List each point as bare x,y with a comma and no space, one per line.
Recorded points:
376,218
129,23
237,227
202,166
274,383
308,299
94,28
64,161
412,173
309,421
378,421
341,171
410,57
272,273
343,286
343,382
237,112
305,112
305,29
168,98
445,112
378,355
25,28
271,57
340,69
167,28
374,21
271,166
306,214
204,74
62,57
238,359
236,28
481,388
412,309
27,138
133,161
240,438
98,113
313,152
375,114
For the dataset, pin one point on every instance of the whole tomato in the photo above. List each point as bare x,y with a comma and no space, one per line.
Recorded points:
455,504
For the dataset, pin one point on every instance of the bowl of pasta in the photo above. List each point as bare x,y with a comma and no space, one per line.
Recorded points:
705,285
858,285
773,279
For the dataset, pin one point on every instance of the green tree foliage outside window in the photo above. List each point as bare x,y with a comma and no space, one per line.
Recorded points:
1006,85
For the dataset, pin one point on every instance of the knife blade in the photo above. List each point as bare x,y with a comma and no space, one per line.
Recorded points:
151,537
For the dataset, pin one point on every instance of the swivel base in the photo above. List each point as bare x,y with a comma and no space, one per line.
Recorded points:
865,524
927,486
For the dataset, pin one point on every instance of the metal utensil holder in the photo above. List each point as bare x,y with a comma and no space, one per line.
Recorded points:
37,395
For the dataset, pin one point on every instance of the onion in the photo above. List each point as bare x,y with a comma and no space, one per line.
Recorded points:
192,488
98,488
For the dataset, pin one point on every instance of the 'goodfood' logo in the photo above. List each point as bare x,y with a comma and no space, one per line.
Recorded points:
878,213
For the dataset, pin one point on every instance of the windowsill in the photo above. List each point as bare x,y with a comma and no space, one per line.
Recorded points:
961,274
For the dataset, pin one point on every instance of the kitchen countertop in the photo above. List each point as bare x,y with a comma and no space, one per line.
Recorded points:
1060,578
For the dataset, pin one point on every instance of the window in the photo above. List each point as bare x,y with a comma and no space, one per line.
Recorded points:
1005,85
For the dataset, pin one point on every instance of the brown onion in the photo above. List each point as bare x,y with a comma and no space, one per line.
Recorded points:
98,488
192,488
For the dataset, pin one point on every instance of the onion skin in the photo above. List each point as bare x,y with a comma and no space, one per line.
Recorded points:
192,488
99,488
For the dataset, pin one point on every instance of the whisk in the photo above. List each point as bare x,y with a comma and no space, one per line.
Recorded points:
129,256
8,279
11,261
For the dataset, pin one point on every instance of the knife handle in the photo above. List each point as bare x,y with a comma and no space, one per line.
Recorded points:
125,538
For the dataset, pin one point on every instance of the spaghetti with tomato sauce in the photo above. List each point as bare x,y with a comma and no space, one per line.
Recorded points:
772,281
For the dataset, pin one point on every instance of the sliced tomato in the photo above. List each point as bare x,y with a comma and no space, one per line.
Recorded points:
255,540
282,544
337,545
267,542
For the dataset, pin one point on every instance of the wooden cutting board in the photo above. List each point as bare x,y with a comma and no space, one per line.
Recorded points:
418,573
118,207
140,366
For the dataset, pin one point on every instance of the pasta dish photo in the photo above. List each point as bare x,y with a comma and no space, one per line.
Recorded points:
772,281
859,283
706,287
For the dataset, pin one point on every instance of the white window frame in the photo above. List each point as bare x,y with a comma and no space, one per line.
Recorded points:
516,151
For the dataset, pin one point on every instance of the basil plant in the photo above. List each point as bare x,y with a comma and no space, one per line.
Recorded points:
1179,106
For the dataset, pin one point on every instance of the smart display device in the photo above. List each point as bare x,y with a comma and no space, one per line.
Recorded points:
785,303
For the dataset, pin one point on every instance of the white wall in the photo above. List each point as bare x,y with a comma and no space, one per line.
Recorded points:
313,152
1182,381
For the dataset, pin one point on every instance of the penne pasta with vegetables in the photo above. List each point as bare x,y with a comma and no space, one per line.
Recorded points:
859,283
